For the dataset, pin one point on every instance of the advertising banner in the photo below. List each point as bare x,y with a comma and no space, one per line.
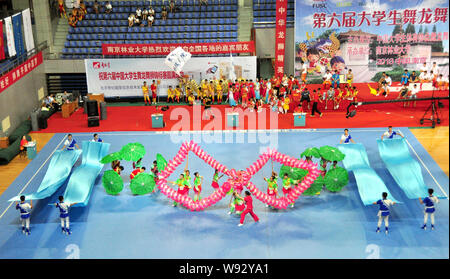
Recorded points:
280,36
165,49
18,37
10,37
28,30
125,77
370,37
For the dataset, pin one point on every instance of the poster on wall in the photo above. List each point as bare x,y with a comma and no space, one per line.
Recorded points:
124,77
369,37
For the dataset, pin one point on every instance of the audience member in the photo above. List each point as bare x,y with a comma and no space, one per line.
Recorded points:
96,7
108,7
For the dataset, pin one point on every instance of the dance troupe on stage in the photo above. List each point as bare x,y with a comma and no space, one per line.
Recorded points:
240,204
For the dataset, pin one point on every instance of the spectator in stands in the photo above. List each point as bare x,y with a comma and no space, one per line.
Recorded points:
305,97
203,2
76,4
108,7
131,20
83,7
73,20
164,13
151,11
172,6
96,7
62,10
150,20
138,22
144,14
138,13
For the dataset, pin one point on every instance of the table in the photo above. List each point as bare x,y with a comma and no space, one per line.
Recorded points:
233,119
157,120
97,97
68,108
31,149
4,142
299,119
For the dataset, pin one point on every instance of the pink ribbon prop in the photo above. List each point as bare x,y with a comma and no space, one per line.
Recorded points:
237,179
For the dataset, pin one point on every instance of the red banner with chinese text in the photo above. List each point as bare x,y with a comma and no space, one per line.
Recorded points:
165,49
22,70
280,36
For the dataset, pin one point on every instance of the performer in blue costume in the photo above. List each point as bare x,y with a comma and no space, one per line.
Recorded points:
429,203
64,214
25,209
390,133
70,143
346,138
96,138
383,213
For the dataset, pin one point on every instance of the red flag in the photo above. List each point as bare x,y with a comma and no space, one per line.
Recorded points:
2,47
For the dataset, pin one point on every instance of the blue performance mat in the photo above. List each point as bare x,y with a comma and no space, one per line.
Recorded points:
328,226
403,167
370,185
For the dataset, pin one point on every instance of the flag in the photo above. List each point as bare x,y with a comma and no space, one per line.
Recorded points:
176,60
10,37
28,30
18,37
232,74
2,47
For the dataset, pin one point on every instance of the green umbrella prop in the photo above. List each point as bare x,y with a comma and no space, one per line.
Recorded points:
161,163
336,179
132,152
111,157
294,173
331,154
142,184
112,182
311,152
316,187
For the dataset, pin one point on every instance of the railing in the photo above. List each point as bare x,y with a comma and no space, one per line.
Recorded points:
16,61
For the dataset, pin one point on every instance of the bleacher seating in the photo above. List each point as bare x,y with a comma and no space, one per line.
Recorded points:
264,13
217,22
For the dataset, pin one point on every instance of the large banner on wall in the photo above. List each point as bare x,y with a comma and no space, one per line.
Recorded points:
124,77
370,37
28,30
18,37
10,37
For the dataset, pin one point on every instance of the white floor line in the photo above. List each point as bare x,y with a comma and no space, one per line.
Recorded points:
423,164
28,183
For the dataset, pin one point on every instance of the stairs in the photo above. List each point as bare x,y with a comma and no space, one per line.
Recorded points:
59,37
245,22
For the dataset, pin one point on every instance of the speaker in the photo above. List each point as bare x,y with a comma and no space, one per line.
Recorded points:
103,115
42,122
92,108
93,121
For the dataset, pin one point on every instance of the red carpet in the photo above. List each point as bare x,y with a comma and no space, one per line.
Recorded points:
138,118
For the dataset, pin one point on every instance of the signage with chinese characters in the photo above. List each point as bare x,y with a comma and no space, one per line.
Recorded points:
280,36
22,70
165,49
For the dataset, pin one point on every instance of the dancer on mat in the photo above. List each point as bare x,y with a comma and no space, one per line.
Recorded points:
237,204
383,213
248,208
96,138
390,134
25,209
198,181
64,214
346,138
70,143
287,186
429,203
216,177
272,186
137,164
182,188
136,172
145,93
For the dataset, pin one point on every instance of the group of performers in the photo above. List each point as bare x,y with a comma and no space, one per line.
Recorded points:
240,205
280,94
78,12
